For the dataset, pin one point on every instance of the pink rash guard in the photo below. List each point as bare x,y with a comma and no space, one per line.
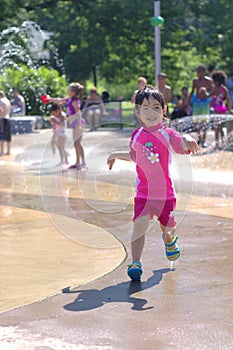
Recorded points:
151,149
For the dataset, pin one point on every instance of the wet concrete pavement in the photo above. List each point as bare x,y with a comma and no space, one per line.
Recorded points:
185,306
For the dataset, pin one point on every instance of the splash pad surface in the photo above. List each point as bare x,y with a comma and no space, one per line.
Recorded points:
105,313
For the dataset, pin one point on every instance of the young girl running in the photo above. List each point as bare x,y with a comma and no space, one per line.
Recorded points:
150,149
73,102
219,94
58,120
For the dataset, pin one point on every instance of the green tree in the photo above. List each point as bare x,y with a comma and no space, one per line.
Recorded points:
116,37
32,84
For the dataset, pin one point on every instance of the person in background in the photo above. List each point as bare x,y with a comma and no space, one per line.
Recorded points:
201,86
220,94
177,111
164,88
58,122
181,104
142,82
229,85
105,97
186,107
182,107
229,123
17,103
94,107
5,128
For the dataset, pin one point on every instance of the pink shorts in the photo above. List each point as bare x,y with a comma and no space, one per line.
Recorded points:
164,210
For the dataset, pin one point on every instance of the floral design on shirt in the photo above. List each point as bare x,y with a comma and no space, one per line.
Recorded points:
149,151
154,157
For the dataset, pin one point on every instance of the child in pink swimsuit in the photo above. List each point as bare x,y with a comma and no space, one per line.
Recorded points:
151,149
219,95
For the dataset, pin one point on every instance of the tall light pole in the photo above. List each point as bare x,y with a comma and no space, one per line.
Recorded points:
157,42
156,22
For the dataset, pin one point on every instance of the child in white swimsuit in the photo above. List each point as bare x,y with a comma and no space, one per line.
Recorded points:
58,121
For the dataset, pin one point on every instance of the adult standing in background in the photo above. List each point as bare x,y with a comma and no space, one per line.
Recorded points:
220,94
5,128
164,89
201,87
17,103
94,107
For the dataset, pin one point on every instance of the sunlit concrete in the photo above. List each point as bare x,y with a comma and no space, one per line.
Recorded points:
43,251
54,220
38,261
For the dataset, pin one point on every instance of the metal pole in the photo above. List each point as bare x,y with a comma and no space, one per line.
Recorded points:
94,75
157,42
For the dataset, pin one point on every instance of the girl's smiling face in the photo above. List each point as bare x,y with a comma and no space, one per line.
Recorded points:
70,92
151,112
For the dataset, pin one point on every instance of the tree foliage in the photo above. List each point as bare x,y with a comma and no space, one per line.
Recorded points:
32,84
115,36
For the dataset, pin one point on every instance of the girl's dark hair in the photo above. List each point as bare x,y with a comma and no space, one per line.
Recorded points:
148,92
220,77
55,107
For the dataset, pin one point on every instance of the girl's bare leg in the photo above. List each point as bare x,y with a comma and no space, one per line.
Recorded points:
81,152
138,237
66,157
197,129
77,136
169,233
77,151
53,143
61,148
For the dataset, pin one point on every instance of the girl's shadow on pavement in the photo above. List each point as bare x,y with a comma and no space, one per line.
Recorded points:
122,292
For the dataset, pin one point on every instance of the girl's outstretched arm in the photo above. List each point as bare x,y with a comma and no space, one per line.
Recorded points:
57,100
182,144
117,155
189,143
